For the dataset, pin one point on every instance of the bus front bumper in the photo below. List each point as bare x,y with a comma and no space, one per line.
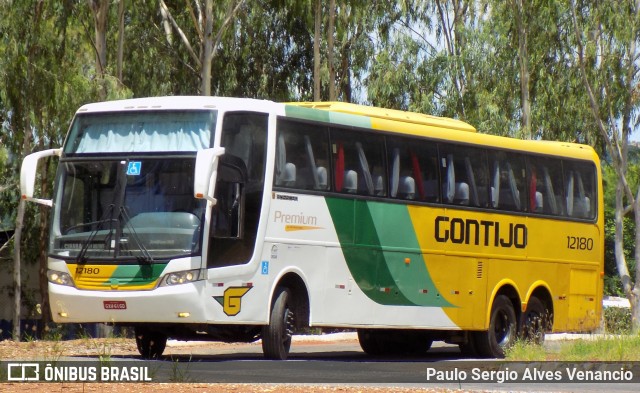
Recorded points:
184,303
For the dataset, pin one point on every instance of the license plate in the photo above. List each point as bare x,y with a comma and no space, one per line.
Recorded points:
115,305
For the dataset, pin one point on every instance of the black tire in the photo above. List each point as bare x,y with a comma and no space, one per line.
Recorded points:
468,348
370,342
502,331
276,336
151,344
534,322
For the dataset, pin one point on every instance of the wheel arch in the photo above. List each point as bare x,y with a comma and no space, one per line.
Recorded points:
542,292
293,280
508,289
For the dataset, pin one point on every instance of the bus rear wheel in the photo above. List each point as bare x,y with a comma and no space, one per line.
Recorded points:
534,322
151,344
276,336
502,331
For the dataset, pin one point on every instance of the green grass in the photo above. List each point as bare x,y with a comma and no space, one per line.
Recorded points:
610,348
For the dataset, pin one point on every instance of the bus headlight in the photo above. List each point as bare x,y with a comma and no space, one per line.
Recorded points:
59,278
178,278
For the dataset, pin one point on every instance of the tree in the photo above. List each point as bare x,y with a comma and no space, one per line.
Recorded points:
45,52
606,37
208,39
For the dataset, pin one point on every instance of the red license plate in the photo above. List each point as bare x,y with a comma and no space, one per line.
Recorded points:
115,305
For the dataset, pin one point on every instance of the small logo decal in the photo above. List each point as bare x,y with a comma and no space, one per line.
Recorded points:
231,301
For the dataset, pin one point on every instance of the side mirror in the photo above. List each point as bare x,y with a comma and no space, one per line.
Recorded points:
28,173
206,172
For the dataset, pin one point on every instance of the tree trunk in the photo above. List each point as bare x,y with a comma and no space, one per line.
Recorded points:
330,33
207,51
100,10
635,293
523,60
17,279
621,262
316,51
120,40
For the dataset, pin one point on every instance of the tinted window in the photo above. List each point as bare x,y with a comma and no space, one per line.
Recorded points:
465,178
413,170
507,181
359,166
302,156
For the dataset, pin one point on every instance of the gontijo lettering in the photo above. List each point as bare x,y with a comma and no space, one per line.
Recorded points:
486,233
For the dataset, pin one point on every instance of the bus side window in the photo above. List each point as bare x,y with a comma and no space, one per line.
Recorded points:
464,174
359,167
412,169
508,182
579,190
301,156
545,185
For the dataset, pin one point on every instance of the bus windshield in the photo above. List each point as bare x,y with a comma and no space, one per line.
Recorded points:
128,209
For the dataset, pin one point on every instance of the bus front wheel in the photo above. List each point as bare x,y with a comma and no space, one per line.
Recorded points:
502,331
150,343
276,336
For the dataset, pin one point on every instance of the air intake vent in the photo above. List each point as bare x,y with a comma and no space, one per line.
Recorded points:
479,270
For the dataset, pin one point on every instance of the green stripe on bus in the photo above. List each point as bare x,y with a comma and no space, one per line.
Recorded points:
375,253
327,116
403,257
306,113
131,275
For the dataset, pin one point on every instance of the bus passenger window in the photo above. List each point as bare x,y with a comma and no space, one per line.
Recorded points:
508,191
464,175
579,190
301,156
359,167
545,185
413,170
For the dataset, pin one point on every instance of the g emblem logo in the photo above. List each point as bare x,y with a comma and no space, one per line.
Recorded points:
231,302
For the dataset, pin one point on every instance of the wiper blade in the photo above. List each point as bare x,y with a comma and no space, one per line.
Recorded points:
81,257
146,256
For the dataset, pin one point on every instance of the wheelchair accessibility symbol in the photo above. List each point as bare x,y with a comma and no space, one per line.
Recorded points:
134,168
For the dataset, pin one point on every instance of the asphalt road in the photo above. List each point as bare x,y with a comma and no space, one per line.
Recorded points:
342,362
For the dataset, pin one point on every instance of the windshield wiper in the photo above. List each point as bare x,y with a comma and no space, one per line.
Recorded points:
81,257
146,256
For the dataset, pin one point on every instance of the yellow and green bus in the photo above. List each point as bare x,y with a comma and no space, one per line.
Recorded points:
211,218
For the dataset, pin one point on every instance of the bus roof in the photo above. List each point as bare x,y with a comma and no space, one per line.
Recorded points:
388,114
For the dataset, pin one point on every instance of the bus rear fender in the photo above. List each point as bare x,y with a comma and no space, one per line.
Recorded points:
542,292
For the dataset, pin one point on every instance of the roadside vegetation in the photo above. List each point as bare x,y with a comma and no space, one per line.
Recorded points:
616,343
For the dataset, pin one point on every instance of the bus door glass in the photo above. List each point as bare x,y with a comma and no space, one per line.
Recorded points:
239,189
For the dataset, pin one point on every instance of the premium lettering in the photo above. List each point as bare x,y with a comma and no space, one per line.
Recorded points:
301,218
486,233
